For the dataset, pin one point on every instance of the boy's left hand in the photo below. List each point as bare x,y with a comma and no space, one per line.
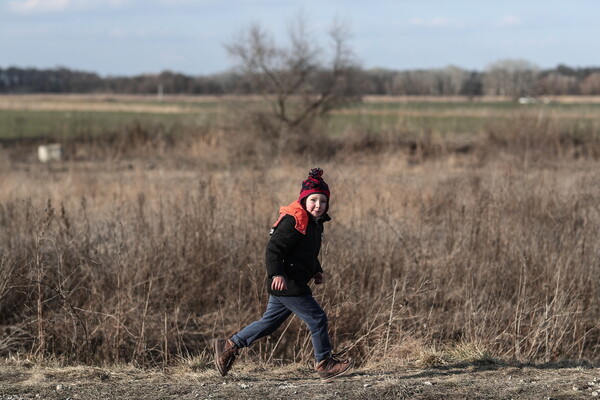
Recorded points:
318,278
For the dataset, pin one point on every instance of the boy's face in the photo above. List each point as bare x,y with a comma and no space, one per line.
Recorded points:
316,204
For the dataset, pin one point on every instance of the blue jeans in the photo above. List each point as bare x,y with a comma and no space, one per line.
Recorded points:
278,310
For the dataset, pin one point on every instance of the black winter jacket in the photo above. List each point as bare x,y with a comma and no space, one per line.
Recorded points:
294,254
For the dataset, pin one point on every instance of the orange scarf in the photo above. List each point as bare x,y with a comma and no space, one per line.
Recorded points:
300,215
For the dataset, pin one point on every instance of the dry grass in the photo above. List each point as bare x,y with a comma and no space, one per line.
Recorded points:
482,99
129,259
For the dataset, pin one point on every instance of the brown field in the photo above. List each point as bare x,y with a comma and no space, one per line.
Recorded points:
102,103
456,265
181,104
482,99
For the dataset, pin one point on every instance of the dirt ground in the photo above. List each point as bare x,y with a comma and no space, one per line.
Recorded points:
299,382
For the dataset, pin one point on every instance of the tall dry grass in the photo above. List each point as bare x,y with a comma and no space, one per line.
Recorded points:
492,242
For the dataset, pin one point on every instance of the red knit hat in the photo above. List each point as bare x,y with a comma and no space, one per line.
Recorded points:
314,184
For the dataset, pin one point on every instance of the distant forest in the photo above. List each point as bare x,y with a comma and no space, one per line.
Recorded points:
505,78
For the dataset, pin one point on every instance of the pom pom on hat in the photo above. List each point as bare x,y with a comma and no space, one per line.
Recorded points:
316,173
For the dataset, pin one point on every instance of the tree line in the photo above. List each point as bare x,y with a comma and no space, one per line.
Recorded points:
510,77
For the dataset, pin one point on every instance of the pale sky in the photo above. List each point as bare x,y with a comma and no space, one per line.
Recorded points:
130,37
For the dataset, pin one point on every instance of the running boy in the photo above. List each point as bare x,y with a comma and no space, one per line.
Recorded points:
292,262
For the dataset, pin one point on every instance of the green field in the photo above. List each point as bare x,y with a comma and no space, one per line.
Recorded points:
67,124
59,117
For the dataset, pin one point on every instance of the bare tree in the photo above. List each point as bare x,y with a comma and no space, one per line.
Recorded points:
298,81
555,83
456,78
509,77
591,84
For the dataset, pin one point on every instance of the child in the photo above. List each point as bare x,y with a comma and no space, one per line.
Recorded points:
291,259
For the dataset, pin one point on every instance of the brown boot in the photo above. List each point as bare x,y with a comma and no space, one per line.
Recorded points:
225,353
333,366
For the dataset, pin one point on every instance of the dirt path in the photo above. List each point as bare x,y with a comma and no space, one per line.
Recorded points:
298,382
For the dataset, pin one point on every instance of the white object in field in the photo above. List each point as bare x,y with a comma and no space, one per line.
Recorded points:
527,100
50,152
